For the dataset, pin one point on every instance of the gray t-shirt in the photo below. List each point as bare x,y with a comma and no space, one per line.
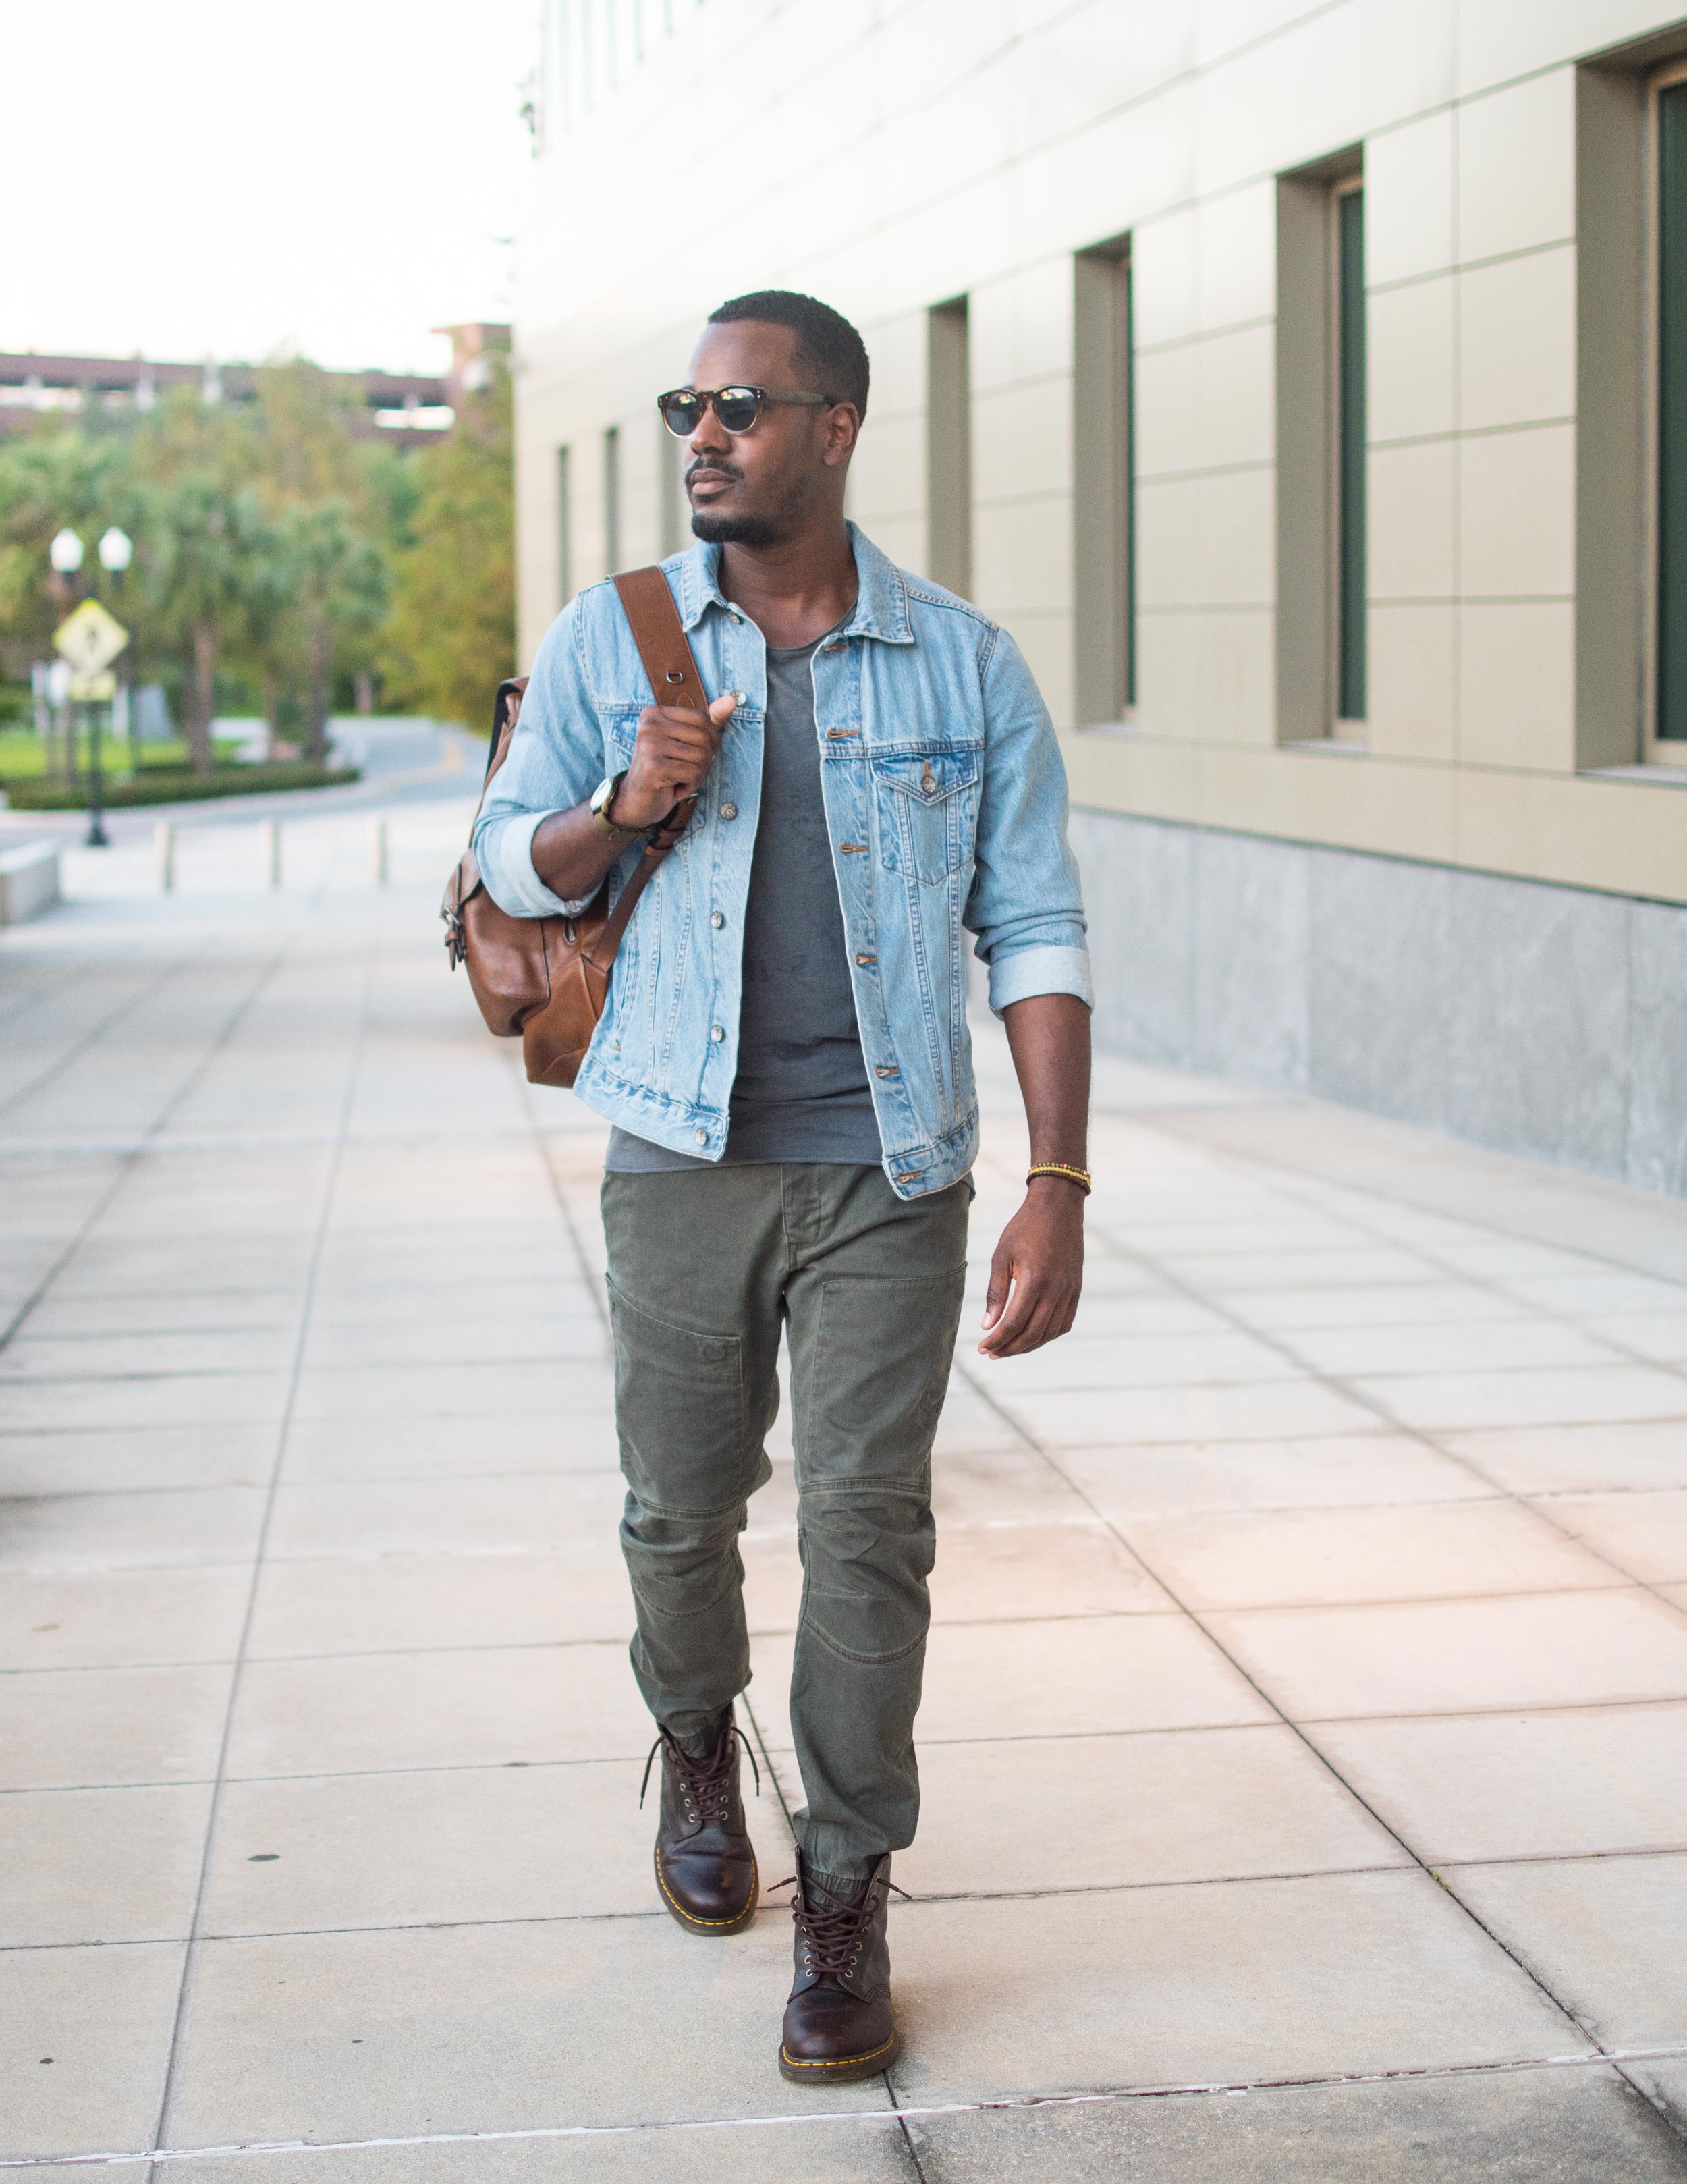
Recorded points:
801,1091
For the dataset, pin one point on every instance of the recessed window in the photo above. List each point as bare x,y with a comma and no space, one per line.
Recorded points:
611,499
949,446
1667,739
564,543
1104,403
1347,414
1322,592
673,511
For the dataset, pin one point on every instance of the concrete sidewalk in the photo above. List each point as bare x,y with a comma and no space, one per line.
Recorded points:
1305,1740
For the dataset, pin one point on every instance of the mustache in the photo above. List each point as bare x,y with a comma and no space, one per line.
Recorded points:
708,463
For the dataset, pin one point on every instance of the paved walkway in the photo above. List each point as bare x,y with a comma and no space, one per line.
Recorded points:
1306,1781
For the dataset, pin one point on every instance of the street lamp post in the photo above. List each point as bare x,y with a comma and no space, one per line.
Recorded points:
116,550
65,554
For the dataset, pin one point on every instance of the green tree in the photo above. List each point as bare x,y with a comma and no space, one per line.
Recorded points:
337,594
450,639
211,551
51,479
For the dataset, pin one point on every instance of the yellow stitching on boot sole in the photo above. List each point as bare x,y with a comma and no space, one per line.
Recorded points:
838,2063
691,1919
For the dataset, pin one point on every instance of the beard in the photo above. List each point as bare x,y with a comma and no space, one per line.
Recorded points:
717,530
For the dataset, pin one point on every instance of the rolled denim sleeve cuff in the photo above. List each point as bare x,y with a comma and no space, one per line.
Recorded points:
1031,970
504,850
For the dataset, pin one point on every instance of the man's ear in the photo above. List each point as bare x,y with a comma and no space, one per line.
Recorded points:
843,429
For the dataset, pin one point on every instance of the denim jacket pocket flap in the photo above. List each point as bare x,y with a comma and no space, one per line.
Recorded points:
928,811
928,775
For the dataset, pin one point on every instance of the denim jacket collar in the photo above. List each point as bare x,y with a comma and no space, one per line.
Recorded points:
881,601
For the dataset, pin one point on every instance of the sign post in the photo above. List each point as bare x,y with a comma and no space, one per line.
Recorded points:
90,639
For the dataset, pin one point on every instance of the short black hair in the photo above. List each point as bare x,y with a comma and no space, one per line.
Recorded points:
827,342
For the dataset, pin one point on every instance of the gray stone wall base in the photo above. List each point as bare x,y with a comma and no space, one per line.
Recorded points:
1540,1020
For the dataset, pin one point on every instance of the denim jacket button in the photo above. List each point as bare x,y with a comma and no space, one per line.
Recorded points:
717,920
729,810
702,1137
716,1033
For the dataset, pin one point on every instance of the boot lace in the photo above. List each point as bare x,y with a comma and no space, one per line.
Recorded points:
705,1784
831,1932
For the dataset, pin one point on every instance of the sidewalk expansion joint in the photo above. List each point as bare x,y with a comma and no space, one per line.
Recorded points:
1614,2059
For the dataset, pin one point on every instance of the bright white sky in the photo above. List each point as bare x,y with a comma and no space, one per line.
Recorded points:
215,177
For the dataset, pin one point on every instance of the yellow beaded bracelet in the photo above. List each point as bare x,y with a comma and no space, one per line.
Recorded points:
1080,1176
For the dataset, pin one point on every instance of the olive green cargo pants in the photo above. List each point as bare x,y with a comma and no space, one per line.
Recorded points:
707,1267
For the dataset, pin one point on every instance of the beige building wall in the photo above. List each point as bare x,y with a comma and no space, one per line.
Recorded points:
889,159
1464,910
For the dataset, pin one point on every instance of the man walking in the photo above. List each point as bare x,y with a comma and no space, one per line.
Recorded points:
785,1058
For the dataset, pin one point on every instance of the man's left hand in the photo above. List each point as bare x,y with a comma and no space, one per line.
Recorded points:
1037,1274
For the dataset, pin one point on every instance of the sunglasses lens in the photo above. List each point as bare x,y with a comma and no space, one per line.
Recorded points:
681,413
737,407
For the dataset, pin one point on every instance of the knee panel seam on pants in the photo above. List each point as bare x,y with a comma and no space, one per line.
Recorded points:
807,1626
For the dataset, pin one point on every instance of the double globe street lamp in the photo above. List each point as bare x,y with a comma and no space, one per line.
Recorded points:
66,554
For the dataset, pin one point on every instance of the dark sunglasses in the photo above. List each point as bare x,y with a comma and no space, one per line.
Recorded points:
736,407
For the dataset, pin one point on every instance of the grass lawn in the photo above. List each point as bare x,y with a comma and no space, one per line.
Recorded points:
165,776
22,756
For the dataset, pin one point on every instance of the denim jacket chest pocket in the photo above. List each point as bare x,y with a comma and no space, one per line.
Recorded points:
927,807
621,731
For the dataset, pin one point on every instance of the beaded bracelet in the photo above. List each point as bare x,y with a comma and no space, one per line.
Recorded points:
1080,1176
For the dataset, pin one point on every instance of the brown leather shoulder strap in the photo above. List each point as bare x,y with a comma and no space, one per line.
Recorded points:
661,641
663,647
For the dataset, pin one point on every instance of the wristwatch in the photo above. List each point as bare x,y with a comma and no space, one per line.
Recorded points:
602,796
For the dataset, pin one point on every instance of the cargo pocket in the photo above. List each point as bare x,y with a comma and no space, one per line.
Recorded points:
687,1445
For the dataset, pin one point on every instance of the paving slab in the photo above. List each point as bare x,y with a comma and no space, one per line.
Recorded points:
109,1459
73,1729
355,2035
1529,2127
1556,1782
1608,1934
111,1619
866,2150
412,1849
166,1527
394,1603
581,1439
495,1513
1354,1426
1235,1981
1378,1469
1571,1458
1464,1655
1133,1812
1088,1675
488,1707
1645,1534
1302,1558
84,2038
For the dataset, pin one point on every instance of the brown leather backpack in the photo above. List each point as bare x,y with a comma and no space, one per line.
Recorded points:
546,980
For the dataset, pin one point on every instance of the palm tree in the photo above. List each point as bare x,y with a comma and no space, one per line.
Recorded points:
210,546
338,589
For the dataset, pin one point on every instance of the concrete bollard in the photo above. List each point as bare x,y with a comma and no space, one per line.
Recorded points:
377,851
163,852
270,845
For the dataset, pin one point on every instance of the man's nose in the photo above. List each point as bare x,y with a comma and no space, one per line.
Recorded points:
711,437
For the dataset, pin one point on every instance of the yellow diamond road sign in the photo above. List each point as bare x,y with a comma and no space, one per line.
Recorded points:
90,638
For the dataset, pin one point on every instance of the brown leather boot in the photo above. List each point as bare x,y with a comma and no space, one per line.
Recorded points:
706,1865
839,2025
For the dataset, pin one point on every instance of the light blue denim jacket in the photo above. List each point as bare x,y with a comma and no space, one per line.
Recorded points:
946,802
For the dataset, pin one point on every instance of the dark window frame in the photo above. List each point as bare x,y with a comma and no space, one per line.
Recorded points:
1349,455
1106,617
1665,719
